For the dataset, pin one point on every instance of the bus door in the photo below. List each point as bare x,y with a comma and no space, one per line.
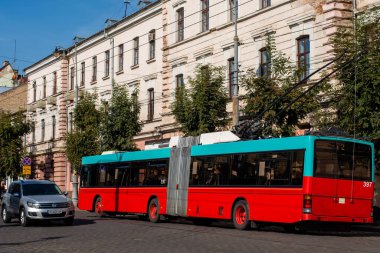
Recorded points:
342,183
122,173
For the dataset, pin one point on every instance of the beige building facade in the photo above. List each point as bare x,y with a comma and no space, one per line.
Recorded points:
157,49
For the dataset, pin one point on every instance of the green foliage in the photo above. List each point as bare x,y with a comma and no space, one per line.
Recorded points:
202,108
120,121
361,78
263,90
12,129
84,140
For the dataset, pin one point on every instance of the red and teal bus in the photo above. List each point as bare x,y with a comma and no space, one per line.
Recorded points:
289,180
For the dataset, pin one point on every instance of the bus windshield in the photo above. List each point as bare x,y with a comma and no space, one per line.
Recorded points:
342,160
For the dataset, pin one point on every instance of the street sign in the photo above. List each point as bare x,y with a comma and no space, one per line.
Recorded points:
27,161
26,170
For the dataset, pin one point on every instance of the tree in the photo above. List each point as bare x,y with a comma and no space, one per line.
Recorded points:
84,140
120,121
12,129
263,89
202,108
357,98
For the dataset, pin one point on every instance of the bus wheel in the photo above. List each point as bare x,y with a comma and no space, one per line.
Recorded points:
240,215
99,207
153,211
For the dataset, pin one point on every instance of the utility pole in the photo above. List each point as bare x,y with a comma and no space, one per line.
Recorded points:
235,94
112,64
74,196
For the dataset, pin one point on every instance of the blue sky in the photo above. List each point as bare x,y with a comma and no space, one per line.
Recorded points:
38,26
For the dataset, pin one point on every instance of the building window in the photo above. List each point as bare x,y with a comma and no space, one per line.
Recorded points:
82,73
179,80
34,91
303,56
71,78
53,123
151,104
265,62
205,15
107,63
54,83
121,57
232,9
44,87
42,130
152,44
70,122
136,51
230,76
265,3
94,69
180,24
33,133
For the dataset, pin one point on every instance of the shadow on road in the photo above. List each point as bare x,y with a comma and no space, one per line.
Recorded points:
31,241
77,222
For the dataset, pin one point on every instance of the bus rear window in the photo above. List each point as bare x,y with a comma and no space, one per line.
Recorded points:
342,160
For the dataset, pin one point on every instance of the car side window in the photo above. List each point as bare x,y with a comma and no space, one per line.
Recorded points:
10,190
16,189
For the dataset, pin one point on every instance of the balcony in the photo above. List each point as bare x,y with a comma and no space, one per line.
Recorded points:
32,107
70,96
41,104
52,100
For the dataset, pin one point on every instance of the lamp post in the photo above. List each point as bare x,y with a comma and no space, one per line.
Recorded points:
74,195
235,94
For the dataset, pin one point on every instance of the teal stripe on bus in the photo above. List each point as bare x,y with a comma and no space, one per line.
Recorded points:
127,156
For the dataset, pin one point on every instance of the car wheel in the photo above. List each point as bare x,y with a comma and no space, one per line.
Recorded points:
5,215
153,211
24,220
68,221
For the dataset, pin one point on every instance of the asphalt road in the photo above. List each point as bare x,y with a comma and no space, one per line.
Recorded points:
128,234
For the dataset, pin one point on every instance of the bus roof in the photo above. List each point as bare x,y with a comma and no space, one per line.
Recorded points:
263,145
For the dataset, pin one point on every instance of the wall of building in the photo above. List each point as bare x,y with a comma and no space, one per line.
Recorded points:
14,100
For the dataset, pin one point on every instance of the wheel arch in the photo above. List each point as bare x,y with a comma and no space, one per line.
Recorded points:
94,202
150,199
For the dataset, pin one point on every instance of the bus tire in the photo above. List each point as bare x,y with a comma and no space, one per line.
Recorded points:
153,210
240,215
98,207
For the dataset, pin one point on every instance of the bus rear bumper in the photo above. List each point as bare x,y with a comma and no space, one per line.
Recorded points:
312,217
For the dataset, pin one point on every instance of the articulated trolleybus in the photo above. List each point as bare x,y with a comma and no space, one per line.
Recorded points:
291,181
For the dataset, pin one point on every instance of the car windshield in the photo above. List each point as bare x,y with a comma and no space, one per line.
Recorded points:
40,189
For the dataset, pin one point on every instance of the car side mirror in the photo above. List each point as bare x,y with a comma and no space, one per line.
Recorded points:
65,193
16,194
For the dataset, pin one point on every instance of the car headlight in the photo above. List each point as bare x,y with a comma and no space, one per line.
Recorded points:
32,204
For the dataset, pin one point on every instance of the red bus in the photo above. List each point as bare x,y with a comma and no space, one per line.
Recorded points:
291,181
